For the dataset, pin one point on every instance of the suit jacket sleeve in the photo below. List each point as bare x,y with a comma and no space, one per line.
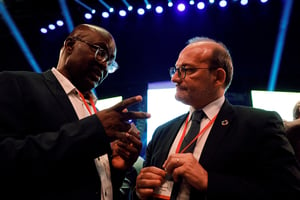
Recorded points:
40,133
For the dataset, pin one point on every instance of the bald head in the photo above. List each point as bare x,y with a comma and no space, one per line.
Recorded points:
84,30
220,56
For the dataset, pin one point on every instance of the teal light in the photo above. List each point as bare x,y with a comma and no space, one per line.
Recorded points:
17,35
280,43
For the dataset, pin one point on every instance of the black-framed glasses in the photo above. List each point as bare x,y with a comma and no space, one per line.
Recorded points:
101,56
182,71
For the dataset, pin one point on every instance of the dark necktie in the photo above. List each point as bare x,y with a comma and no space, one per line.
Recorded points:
192,133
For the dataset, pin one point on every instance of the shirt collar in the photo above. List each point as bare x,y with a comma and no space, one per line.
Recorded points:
211,109
67,85
64,82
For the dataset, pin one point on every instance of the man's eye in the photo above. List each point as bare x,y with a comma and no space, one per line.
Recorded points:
189,70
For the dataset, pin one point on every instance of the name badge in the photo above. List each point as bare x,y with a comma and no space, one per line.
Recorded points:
164,191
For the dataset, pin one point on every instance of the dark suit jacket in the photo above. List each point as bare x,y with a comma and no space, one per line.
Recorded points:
45,151
249,158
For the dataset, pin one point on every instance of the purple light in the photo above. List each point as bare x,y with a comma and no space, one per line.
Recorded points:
200,5
181,7
223,3
159,9
141,11
105,14
88,15
59,23
43,30
51,26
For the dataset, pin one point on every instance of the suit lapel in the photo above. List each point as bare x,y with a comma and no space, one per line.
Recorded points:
217,133
60,95
170,136
164,143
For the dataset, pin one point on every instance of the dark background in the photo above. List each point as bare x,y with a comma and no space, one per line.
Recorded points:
148,45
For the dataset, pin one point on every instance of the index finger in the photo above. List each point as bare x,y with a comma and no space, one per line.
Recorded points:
127,102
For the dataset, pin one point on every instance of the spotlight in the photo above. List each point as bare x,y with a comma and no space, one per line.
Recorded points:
93,11
110,9
51,26
105,14
223,3
122,13
200,5
181,7
129,7
140,11
148,5
88,15
43,30
244,2
159,9
59,23
263,1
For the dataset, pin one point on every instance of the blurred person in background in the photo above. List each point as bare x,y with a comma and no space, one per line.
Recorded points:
293,129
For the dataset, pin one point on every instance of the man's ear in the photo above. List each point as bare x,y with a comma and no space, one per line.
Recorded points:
69,42
220,76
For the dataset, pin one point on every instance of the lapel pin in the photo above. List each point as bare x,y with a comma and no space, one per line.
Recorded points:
224,122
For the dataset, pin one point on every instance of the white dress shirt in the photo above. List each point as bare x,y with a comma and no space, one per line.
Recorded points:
102,162
211,110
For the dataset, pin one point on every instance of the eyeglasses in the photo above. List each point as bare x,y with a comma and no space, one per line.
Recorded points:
101,56
182,71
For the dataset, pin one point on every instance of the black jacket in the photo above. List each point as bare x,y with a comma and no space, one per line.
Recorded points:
45,151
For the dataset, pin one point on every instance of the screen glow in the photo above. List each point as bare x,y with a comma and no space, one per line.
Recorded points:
108,102
279,101
162,105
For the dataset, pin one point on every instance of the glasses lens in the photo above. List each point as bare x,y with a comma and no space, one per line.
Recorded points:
101,55
172,71
112,66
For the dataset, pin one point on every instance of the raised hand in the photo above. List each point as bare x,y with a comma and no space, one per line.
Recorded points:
115,119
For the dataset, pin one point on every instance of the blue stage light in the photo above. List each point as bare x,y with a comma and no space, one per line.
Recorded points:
51,26
105,14
201,5
141,11
181,7
122,13
88,15
59,23
43,30
223,3
159,9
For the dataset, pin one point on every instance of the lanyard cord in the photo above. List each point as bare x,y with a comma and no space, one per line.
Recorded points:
197,136
86,104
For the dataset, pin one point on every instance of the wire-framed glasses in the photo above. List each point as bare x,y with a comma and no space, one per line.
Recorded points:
101,56
182,71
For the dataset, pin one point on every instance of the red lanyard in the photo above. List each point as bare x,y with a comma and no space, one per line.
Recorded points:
197,136
86,104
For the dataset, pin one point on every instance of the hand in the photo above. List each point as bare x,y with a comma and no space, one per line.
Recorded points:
148,179
186,166
126,152
115,119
